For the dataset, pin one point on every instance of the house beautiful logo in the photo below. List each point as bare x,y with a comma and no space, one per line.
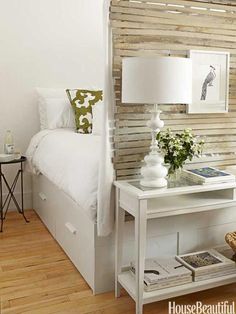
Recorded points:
225,307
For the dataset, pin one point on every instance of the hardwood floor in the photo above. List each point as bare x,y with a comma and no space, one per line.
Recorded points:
37,277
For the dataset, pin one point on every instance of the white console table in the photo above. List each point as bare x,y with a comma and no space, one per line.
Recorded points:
143,204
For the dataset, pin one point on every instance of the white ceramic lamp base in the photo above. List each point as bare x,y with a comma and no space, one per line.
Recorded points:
154,173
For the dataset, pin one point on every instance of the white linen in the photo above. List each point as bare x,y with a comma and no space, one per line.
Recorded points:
51,92
69,160
32,148
105,209
59,113
55,110
97,113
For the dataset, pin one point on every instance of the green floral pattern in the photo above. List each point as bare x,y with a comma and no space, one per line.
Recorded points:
82,101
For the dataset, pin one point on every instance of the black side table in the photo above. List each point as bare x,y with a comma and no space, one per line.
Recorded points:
4,204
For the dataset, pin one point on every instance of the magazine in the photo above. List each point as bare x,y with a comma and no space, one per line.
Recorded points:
201,259
206,263
208,175
226,251
215,275
168,284
163,272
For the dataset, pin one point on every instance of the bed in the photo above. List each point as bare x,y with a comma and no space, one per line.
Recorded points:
65,167
80,217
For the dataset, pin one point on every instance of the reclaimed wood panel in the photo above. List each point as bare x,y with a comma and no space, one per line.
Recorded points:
171,28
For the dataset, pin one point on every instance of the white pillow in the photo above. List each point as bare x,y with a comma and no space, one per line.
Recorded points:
42,114
51,92
60,114
98,119
55,110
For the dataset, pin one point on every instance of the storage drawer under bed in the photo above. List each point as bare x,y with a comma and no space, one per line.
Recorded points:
43,203
72,238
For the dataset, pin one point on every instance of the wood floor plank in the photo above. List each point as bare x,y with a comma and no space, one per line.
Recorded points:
36,277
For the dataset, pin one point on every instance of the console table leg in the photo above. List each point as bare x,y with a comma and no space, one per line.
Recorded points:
140,252
120,218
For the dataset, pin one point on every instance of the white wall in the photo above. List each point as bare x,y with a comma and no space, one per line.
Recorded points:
45,43
183,233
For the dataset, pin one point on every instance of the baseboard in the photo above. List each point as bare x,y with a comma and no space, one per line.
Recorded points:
28,203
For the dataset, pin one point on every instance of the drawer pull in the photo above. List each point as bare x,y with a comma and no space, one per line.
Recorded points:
71,228
42,196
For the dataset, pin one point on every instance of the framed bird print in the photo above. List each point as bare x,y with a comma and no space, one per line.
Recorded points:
210,81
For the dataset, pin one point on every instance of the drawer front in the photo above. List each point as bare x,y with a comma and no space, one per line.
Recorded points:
77,245
46,212
67,236
43,204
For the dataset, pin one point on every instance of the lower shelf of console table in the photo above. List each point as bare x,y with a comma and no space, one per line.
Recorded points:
127,281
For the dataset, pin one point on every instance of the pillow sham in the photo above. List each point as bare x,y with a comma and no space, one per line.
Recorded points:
44,92
54,109
59,114
82,101
98,119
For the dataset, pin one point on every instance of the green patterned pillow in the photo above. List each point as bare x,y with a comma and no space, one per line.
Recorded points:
82,101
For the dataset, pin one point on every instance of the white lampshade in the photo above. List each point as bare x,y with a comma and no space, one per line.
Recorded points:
156,80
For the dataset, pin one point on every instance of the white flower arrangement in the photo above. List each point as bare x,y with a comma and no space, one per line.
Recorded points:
178,148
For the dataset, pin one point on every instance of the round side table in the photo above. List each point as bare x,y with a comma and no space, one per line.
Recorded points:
4,204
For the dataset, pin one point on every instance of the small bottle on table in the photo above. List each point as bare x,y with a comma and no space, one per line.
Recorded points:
9,143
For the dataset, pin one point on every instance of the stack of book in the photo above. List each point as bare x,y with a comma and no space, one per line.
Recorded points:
207,264
226,251
208,175
163,273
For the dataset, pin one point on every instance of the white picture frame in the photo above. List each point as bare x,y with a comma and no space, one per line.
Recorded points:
210,81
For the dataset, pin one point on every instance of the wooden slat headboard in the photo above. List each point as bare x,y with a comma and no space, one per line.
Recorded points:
172,27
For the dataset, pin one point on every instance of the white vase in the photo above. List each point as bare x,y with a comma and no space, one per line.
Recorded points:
154,172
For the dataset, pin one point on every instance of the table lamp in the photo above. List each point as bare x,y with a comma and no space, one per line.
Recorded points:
156,80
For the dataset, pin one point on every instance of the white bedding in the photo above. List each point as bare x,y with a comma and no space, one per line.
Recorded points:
69,160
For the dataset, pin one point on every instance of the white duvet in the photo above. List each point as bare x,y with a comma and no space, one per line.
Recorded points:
71,161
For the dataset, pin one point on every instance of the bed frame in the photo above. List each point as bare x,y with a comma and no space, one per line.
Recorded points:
76,233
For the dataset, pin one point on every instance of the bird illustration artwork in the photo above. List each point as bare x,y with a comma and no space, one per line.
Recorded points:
208,82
